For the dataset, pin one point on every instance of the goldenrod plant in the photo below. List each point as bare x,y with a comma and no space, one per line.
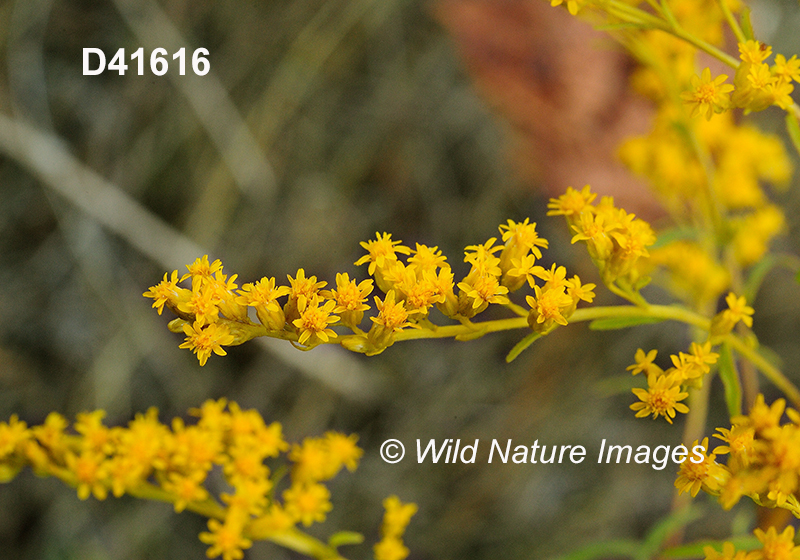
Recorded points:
175,463
714,174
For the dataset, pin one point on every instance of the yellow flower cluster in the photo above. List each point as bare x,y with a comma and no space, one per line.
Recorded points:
724,187
666,388
148,459
395,521
774,546
214,313
763,460
617,241
756,86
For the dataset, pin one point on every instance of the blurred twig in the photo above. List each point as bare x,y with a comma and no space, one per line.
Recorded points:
212,105
45,156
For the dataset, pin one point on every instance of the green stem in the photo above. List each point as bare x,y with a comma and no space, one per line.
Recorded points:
293,539
734,25
146,491
770,372
667,312
637,16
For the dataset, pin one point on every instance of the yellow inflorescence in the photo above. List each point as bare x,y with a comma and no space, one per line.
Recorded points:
172,463
617,241
763,461
214,313
395,520
774,546
666,388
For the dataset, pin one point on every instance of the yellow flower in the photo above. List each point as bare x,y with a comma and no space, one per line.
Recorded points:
164,292
186,488
201,271
343,449
479,293
740,442
754,52
482,259
660,399
547,307
396,517
572,5
302,289
693,476
350,298
738,310
395,520
578,291
392,315
729,552
312,461
314,321
571,203
250,496
787,70
390,548
708,96
776,546
420,294
308,503
523,234
90,472
226,539
263,296
381,251
205,340
96,436
644,363
427,258
276,519
12,434
594,229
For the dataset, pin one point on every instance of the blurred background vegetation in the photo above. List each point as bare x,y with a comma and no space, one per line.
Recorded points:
321,123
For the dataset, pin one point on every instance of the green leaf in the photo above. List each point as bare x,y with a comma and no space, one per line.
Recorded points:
679,233
344,538
730,381
626,548
793,128
665,528
614,323
520,346
756,276
614,385
747,26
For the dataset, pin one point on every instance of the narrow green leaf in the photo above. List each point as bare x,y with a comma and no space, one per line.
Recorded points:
614,323
618,26
669,235
343,538
756,276
730,381
793,128
614,385
668,15
522,345
746,24
665,528
610,549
